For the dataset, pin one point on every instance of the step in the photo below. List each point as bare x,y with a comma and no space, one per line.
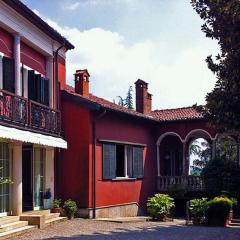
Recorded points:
51,216
37,212
124,219
8,219
13,225
16,231
52,221
234,224
235,220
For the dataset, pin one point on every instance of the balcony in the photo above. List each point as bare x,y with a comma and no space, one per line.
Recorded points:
21,112
186,183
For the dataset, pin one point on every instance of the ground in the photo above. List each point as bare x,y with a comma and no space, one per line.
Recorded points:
96,230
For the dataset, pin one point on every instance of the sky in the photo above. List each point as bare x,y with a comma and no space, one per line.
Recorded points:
120,41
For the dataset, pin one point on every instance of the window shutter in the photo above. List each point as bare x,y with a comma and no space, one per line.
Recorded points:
31,85
38,82
137,162
8,74
45,94
109,161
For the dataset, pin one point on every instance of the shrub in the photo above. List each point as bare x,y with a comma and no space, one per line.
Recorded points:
198,208
70,207
159,206
218,210
57,203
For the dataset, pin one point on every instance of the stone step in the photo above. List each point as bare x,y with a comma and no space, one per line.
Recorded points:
234,224
13,225
9,219
51,216
37,212
235,220
52,221
16,232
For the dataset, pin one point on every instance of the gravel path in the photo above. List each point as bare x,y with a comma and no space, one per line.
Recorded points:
96,230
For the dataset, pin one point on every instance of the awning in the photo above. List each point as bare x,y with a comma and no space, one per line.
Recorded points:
31,137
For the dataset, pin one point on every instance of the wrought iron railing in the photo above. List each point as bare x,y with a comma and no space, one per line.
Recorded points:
19,111
188,183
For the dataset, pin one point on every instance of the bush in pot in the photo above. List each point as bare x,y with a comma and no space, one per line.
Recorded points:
70,208
198,208
218,211
159,206
56,206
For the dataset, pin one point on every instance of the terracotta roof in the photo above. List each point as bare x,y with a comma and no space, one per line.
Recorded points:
187,113
26,12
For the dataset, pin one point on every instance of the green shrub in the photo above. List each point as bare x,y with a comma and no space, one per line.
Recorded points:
219,208
198,208
57,203
159,206
70,207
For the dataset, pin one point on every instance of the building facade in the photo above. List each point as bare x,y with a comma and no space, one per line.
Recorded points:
32,60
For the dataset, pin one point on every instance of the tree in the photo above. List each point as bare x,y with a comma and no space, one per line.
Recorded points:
128,101
222,23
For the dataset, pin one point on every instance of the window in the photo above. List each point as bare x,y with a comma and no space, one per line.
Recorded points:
122,161
8,74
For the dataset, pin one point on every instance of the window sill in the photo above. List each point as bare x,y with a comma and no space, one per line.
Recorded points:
124,179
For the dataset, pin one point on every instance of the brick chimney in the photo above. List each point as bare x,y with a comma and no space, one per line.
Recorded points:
143,98
82,82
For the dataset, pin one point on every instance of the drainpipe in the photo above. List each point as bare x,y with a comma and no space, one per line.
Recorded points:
56,74
94,159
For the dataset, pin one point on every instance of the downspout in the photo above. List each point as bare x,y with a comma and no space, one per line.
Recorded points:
94,159
56,75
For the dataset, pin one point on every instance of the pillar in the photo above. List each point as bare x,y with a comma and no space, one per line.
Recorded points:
17,64
1,72
17,179
213,148
49,171
49,75
158,161
185,161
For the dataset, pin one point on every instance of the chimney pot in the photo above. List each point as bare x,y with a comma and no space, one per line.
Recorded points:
82,82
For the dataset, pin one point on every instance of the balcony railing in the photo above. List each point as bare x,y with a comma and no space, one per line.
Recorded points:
16,110
187,183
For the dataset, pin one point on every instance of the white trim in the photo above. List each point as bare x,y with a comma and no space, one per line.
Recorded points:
30,137
168,134
199,130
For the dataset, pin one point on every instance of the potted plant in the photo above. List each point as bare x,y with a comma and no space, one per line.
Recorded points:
159,206
218,211
47,199
70,208
198,208
56,208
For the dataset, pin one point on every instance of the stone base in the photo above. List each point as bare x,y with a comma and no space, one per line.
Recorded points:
113,211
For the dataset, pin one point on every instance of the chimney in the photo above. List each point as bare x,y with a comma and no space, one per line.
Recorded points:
143,98
82,82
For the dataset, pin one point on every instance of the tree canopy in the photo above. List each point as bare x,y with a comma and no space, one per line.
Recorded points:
222,23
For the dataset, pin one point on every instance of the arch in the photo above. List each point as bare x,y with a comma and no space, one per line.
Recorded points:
168,134
201,134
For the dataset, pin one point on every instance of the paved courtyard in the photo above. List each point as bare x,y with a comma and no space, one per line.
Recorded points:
96,230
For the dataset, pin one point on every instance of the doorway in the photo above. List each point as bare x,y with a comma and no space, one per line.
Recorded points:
27,187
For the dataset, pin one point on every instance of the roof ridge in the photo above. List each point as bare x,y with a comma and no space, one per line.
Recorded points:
169,109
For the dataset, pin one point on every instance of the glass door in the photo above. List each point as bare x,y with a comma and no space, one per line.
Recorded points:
39,176
4,173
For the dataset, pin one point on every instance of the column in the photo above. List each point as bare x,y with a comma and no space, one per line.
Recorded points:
49,75
49,171
213,148
17,179
158,161
17,64
184,161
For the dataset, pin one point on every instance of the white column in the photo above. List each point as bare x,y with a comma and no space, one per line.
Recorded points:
17,179
49,75
49,171
158,161
17,64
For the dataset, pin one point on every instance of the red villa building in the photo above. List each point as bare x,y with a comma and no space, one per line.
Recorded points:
117,157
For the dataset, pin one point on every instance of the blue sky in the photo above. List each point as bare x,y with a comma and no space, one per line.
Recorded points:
120,41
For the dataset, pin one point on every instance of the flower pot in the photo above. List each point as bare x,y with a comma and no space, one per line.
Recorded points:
56,210
196,220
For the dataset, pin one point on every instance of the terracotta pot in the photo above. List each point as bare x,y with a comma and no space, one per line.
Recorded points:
56,210
196,220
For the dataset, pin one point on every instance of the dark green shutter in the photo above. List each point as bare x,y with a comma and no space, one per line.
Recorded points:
31,86
45,91
137,162
38,85
8,74
109,161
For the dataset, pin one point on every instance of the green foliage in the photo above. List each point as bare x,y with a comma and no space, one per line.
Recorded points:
70,207
222,175
57,203
227,148
219,208
198,209
159,206
221,23
128,101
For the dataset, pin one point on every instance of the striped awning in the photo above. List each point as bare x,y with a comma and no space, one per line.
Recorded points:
31,137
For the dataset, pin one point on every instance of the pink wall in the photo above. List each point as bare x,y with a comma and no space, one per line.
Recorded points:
6,43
